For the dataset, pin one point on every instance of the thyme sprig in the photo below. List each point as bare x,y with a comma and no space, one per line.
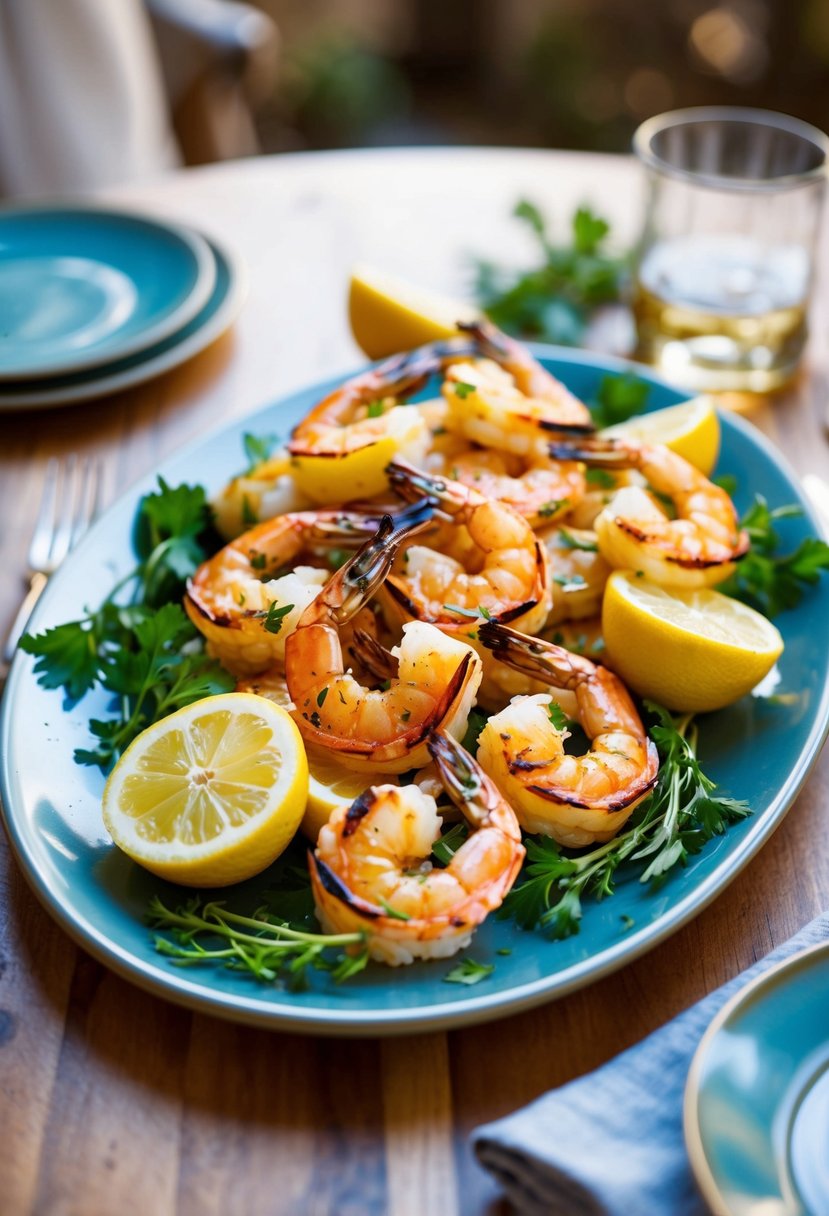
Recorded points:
263,945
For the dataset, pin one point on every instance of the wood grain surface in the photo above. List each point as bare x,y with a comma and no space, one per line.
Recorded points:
113,1101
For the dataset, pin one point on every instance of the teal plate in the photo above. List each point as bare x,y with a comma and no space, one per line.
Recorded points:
82,286
757,1099
756,749
220,310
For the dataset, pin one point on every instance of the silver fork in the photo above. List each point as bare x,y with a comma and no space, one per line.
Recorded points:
70,501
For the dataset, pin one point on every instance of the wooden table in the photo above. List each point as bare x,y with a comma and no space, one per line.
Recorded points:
113,1101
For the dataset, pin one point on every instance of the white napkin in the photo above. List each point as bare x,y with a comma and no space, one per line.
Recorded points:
611,1143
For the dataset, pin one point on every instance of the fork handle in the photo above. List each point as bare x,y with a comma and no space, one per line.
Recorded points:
36,584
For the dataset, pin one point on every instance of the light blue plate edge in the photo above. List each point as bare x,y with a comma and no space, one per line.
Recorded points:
204,277
474,1008
756,990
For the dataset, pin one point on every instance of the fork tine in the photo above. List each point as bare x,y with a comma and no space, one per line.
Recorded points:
66,507
41,541
87,503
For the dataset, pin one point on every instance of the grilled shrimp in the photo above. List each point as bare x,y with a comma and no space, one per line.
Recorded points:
579,573
696,549
487,560
231,595
507,400
380,728
341,448
577,800
537,487
263,492
372,869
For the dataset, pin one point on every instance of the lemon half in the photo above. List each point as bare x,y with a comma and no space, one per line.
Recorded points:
388,314
691,429
212,794
689,650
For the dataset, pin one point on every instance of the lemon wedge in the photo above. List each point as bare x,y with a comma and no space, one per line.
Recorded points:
691,429
212,794
688,650
388,314
329,786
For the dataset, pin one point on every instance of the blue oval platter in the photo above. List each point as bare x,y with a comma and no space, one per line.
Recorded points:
759,749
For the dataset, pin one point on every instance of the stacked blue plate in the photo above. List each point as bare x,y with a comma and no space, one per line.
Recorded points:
93,301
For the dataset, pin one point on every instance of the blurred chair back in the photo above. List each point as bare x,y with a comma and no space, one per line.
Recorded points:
98,92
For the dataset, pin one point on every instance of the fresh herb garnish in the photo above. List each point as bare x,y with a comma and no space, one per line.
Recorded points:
263,945
447,845
552,506
374,409
766,580
570,541
258,449
555,299
468,972
676,820
249,516
619,398
273,619
462,389
600,478
394,913
145,651
557,716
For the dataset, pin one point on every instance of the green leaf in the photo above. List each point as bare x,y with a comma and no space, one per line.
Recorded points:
468,971
273,618
258,449
447,845
765,579
462,389
67,657
619,398
589,230
557,716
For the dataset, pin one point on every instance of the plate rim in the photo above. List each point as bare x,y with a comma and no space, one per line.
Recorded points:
192,241
692,1131
474,1009
152,365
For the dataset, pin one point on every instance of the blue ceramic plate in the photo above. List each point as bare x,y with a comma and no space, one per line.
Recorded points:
206,326
80,287
757,1100
756,749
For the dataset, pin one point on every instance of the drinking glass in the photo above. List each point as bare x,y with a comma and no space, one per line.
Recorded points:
725,262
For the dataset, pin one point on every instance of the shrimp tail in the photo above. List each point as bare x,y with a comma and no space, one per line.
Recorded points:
595,452
373,656
535,657
404,374
355,582
460,775
412,483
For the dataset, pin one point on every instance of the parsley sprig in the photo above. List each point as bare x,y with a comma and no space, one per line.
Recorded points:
554,299
680,816
263,945
766,579
144,651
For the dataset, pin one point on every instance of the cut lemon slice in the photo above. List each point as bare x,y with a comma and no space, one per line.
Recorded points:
691,429
329,786
688,650
212,794
388,315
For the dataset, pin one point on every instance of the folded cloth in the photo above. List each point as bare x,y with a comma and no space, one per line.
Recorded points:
611,1143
